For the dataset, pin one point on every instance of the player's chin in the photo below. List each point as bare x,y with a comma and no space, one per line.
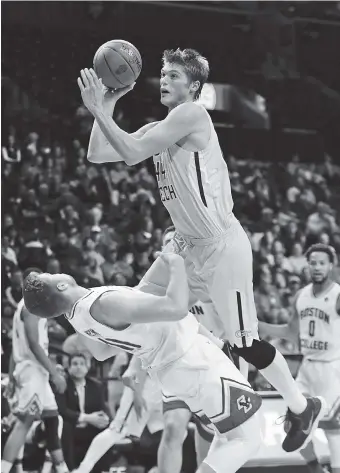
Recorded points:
166,99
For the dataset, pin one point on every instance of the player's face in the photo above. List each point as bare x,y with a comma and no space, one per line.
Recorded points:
168,237
320,267
175,85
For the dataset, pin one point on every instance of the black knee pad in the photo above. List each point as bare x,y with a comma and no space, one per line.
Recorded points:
51,433
261,354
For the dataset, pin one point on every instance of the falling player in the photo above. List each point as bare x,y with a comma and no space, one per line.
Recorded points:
159,330
32,394
316,326
194,186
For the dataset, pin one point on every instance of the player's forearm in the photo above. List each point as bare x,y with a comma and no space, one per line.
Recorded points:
124,145
177,293
275,331
100,150
217,341
43,359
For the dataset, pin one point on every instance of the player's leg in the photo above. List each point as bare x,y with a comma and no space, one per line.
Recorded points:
170,451
234,449
203,439
226,400
27,408
231,290
51,423
333,438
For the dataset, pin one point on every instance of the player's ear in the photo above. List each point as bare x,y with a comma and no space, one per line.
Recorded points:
195,86
62,286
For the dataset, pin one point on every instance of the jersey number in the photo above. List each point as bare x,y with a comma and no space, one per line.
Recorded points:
160,170
312,328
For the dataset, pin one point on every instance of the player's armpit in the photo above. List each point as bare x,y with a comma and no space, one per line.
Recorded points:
117,308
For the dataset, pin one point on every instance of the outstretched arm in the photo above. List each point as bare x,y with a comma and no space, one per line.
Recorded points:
288,331
125,307
181,122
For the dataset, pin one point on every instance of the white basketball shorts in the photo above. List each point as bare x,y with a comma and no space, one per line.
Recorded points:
33,396
220,271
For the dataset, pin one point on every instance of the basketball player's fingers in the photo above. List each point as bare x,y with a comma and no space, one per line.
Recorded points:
89,77
80,84
84,78
95,78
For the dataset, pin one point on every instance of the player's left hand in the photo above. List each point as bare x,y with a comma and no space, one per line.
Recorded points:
92,90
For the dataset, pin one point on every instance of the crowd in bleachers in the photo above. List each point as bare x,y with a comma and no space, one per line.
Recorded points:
103,224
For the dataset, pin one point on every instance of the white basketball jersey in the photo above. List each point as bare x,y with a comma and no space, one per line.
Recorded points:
319,323
206,315
195,188
21,348
156,343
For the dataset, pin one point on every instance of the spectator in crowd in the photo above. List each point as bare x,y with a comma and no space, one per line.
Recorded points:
108,267
297,259
82,407
11,152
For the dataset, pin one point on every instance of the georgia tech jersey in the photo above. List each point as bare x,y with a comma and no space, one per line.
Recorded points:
319,323
195,188
156,343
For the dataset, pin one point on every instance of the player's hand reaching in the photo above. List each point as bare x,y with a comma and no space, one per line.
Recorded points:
171,258
59,382
92,90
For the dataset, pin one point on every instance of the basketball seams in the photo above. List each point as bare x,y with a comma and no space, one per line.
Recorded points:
109,68
120,54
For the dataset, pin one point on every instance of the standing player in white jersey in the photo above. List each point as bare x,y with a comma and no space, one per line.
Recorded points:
169,341
33,397
316,326
194,186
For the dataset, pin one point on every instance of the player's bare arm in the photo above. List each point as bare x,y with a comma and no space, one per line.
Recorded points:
288,331
119,309
181,122
32,334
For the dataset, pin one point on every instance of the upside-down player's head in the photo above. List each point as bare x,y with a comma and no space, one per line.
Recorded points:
49,295
321,259
168,235
183,75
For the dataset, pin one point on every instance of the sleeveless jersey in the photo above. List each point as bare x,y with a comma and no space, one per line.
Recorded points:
195,188
319,323
156,343
21,348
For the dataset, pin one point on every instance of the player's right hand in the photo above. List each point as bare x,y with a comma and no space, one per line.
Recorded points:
113,95
171,258
10,389
59,382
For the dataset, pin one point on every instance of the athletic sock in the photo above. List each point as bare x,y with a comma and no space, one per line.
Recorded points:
279,375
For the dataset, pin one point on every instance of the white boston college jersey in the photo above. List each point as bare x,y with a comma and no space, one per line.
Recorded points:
21,348
156,343
319,323
195,188
207,316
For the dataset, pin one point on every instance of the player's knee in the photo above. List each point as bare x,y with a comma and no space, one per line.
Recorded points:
51,432
260,354
175,426
333,438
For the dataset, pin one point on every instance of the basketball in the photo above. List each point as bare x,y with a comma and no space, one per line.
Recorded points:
118,63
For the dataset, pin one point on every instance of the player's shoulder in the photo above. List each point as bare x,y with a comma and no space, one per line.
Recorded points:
188,111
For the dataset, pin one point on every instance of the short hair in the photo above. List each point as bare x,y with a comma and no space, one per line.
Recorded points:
31,270
322,248
169,230
195,65
37,295
78,354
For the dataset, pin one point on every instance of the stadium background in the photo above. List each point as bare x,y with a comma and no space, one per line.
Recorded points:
274,96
